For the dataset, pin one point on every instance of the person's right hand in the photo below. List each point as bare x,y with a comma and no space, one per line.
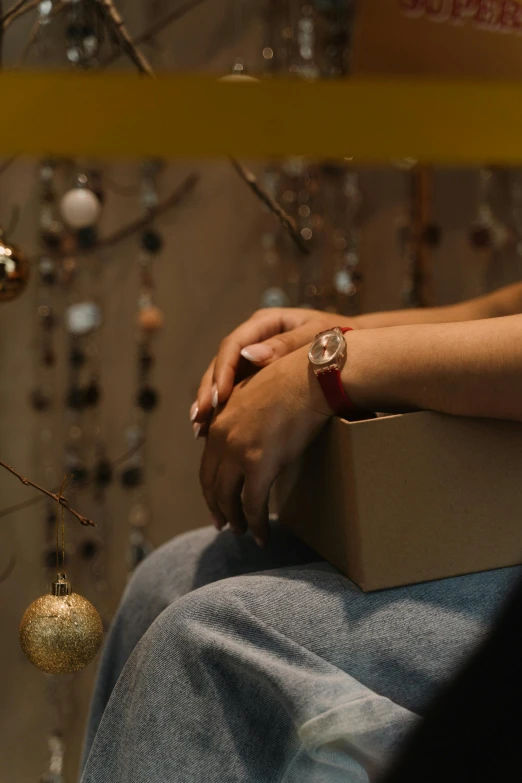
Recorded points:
267,336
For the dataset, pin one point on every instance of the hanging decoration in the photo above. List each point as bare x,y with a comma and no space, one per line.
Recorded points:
61,633
14,270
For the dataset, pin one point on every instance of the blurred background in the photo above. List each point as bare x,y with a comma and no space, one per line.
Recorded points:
136,271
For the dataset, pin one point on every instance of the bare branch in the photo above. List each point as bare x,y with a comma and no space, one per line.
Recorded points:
20,9
6,512
276,209
57,498
116,25
158,27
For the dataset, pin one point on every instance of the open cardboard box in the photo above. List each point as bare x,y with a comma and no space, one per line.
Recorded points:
409,498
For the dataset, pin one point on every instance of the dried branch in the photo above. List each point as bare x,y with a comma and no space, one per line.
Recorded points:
6,512
129,47
35,32
57,498
10,11
18,10
158,27
276,209
116,25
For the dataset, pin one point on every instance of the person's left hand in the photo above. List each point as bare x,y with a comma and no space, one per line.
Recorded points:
268,421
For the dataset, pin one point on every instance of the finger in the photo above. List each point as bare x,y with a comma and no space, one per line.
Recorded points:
255,500
202,409
227,491
260,327
207,477
261,354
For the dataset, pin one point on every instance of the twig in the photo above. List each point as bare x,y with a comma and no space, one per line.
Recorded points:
158,27
129,47
116,25
35,32
20,10
10,11
57,498
276,209
6,512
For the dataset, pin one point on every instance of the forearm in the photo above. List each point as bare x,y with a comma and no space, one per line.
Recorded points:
506,301
465,369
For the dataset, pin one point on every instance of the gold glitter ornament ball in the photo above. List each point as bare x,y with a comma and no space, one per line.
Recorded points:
61,633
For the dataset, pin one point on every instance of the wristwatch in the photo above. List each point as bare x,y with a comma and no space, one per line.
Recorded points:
327,356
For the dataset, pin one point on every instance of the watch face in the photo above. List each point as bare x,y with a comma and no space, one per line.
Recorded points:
327,347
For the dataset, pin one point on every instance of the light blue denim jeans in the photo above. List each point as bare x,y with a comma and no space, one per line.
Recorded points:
230,664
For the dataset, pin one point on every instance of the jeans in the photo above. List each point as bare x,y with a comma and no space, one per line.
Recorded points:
232,664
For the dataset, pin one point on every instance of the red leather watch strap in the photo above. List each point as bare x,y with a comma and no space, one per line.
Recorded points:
333,389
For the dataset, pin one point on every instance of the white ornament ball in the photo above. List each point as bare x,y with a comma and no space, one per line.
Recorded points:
274,297
80,208
83,318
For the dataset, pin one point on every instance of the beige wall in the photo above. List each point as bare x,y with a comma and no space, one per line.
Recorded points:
209,278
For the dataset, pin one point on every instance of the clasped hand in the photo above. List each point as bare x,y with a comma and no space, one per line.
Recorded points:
257,426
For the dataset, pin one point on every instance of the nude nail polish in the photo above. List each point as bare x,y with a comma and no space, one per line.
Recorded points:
215,396
194,410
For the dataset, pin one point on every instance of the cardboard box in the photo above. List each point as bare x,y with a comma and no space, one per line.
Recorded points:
410,498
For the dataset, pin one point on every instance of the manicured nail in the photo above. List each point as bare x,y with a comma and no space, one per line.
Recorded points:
257,353
215,396
197,430
194,412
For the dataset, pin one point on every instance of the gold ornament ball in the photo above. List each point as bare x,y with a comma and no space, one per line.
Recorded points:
61,633
14,272
150,319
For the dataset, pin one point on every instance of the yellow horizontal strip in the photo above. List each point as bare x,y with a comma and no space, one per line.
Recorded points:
123,115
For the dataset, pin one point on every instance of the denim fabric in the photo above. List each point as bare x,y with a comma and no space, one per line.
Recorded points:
226,663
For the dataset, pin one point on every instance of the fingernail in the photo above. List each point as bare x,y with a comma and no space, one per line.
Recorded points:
197,430
194,412
216,522
257,353
215,396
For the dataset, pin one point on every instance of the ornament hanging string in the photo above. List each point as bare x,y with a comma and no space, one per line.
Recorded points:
60,512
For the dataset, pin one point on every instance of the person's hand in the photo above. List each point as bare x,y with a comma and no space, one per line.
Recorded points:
267,336
268,421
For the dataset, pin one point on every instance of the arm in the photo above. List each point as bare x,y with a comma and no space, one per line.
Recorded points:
505,301
472,368
271,334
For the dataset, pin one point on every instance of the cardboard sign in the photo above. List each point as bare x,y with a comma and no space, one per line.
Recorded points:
473,39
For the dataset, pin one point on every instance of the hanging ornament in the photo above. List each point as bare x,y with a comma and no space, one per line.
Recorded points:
79,207
83,318
14,271
60,633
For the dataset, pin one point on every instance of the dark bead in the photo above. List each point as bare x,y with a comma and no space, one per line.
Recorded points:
49,558
3,272
40,400
480,237
74,30
146,360
138,554
88,31
79,474
76,398
48,278
432,235
87,237
103,473
92,394
77,358
147,398
151,241
51,239
48,358
132,477
89,549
